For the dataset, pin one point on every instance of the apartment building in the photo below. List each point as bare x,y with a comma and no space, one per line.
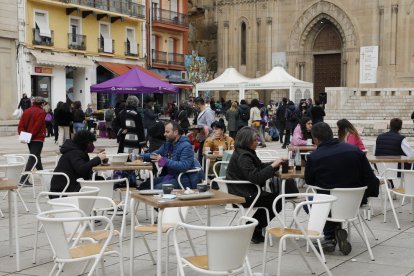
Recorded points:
68,45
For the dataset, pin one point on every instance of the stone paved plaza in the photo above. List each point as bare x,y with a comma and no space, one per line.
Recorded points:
393,251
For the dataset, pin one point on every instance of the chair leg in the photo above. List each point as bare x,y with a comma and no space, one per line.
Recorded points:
321,250
248,267
167,259
232,219
320,258
384,208
1,214
264,255
33,187
53,269
393,211
366,239
370,230
303,256
412,209
279,257
37,229
199,216
21,199
149,250
268,223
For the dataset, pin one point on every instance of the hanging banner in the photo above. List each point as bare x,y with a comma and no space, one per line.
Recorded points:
368,64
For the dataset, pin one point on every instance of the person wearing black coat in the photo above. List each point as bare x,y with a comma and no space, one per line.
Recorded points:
245,165
149,116
75,162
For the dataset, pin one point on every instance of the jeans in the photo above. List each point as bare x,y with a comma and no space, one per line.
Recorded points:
35,148
64,133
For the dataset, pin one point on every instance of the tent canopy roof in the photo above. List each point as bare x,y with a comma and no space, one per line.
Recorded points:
277,78
135,81
230,79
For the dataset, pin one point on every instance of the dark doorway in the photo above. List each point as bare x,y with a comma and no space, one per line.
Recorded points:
327,49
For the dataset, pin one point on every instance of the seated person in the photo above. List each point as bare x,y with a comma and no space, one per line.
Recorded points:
392,142
273,131
302,132
338,165
174,156
75,161
349,134
245,165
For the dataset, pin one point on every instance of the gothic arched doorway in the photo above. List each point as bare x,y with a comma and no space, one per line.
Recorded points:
327,51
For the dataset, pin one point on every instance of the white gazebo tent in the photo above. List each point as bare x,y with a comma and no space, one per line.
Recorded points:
278,78
230,79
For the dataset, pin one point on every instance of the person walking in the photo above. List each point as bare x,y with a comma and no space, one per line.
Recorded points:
232,116
78,117
109,117
182,118
63,119
89,116
293,115
33,121
24,103
281,119
149,115
205,118
256,120
317,113
49,124
244,114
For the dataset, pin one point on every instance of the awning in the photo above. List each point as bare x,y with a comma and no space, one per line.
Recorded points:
60,59
119,69
182,85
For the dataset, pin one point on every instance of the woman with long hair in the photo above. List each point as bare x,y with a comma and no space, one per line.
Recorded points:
302,132
256,120
349,134
232,116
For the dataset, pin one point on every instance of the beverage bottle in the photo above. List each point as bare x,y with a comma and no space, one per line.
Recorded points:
298,160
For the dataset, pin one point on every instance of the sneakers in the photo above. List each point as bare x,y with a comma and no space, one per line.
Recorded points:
327,245
257,237
284,146
341,237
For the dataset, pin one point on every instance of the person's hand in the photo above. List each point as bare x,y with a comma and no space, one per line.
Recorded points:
155,157
277,162
124,131
102,155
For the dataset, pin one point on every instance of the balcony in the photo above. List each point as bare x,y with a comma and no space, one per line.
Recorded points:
119,6
106,48
77,42
169,17
159,57
129,51
176,59
42,40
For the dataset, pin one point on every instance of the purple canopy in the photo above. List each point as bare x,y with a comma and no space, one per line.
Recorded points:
134,81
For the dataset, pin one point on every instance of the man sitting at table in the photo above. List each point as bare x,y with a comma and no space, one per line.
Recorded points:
392,142
175,156
338,165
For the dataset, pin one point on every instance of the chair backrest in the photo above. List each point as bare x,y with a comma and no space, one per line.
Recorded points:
106,189
406,175
320,206
227,246
118,158
220,168
382,167
347,204
172,215
21,157
46,178
267,153
13,170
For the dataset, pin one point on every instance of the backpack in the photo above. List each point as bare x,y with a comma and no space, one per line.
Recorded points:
244,115
48,117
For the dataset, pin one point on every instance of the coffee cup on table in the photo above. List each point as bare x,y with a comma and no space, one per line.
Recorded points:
202,188
309,142
167,188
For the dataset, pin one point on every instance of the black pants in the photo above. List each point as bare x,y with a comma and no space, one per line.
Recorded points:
35,147
49,128
287,137
265,200
281,128
56,131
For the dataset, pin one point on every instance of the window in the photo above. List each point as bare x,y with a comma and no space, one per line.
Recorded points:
153,42
155,10
171,45
42,24
131,43
105,40
75,31
243,43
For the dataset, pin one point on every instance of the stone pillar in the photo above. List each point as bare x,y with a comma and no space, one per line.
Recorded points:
344,72
301,70
269,44
394,20
226,45
381,35
258,48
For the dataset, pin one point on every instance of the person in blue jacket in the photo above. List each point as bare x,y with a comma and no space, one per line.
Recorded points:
175,156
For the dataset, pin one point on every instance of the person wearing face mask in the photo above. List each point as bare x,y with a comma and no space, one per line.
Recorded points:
75,161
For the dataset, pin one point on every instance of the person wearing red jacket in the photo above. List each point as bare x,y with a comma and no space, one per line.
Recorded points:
33,121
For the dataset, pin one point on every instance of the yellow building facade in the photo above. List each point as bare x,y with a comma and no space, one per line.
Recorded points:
65,42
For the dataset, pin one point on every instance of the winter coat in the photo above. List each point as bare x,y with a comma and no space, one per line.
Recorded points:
317,113
180,158
78,116
33,121
232,118
243,108
129,119
62,117
149,118
25,103
76,164
292,116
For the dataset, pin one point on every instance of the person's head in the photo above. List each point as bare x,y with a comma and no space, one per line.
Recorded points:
149,101
219,128
305,125
317,102
77,105
199,103
173,131
255,103
89,106
84,140
24,95
246,138
39,101
284,100
321,132
233,106
132,101
396,124
345,127
243,102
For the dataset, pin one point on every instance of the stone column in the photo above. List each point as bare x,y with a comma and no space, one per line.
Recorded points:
226,45
301,70
381,35
394,20
269,44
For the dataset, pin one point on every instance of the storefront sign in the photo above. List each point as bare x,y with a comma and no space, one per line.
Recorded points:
43,70
368,64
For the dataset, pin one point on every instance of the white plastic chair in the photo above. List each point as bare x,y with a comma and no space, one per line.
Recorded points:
14,171
171,217
346,210
13,158
85,191
195,170
406,191
67,251
227,248
319,206
223,168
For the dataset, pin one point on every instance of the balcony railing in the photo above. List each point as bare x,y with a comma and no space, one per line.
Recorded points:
129,51
159,57
176,59
167,16
77,42
103,49
42,40
119,6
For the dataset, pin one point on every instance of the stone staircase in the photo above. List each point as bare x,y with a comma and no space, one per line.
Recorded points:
371,114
